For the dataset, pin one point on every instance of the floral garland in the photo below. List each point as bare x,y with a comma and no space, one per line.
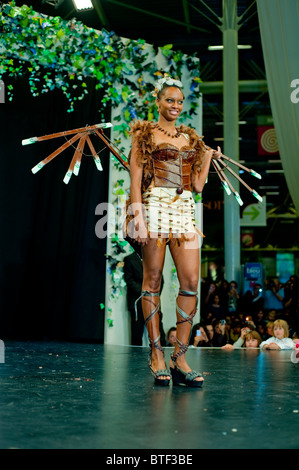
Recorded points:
54,53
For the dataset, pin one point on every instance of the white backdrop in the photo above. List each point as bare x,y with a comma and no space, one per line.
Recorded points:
116,312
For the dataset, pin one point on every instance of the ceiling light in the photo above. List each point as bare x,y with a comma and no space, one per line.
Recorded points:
269,187
220,123
83,4
221,139
220,47
274,171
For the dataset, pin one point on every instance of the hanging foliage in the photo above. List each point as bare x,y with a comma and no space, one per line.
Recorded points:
54,53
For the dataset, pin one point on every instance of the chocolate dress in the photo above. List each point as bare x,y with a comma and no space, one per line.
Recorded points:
167,181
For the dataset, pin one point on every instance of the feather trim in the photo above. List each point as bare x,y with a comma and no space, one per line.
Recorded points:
142,132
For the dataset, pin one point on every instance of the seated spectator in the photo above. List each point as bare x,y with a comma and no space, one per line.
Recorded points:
235,331
210,293
216,308
233,298
261,329
269,329
259,317
210,331
220,337
280,338
291,298
199,336
171,336
247,339
223,290
252,301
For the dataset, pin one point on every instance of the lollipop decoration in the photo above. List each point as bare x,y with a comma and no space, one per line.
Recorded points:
226,182
83,135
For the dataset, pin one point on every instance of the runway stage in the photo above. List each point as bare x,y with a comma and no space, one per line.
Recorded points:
91,396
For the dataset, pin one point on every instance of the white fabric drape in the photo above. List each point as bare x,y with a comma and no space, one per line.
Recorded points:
279,27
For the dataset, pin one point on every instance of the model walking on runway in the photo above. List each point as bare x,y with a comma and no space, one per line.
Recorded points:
166,164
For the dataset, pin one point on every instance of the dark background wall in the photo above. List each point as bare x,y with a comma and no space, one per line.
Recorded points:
52,265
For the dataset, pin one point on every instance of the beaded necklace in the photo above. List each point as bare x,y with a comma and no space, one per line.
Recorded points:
173,136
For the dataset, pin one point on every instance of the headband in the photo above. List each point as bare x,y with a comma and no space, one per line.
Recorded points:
166,80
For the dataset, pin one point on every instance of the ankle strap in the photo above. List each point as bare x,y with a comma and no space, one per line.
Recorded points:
184,315
181,351
145,293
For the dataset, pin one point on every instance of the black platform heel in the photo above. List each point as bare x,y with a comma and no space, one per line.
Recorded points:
179,376
155,343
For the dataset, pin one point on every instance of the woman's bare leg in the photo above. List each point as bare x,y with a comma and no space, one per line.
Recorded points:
186,258
153,257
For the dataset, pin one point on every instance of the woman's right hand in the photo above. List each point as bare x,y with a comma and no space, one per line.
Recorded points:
140,232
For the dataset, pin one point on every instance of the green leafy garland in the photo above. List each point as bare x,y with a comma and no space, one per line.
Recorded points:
54,53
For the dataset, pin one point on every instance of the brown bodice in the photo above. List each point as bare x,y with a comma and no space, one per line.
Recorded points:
172,167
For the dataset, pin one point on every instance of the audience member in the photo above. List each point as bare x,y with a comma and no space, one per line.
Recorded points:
199,336
261,329
274,295
269,329
171,336
133,275
216,308
220,337
253,301
247,339
235,330
233,298
280,338
223,290
210,293
210,331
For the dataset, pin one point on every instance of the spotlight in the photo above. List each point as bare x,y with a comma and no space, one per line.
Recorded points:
220,48
83,4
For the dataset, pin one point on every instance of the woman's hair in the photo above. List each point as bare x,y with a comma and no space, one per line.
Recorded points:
166,82
283,324
253,335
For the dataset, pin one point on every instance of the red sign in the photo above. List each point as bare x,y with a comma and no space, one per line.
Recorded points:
267,141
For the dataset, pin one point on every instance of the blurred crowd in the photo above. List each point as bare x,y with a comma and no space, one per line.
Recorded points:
264,316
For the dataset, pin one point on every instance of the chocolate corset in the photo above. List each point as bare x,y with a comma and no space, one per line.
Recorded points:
172,168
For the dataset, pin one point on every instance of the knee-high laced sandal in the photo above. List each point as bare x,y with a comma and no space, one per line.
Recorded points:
179,376
158,374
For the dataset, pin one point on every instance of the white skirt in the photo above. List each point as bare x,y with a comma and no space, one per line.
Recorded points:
168,212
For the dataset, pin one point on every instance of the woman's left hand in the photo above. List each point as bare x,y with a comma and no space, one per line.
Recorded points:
217,153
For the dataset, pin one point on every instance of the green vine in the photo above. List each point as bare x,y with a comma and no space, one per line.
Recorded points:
54,53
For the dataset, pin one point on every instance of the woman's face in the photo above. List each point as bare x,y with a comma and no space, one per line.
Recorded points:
210,331
170,104
172,338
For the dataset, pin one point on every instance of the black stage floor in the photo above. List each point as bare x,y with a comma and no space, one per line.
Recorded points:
91,396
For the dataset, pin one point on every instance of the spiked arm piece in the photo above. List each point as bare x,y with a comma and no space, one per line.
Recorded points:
83,135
